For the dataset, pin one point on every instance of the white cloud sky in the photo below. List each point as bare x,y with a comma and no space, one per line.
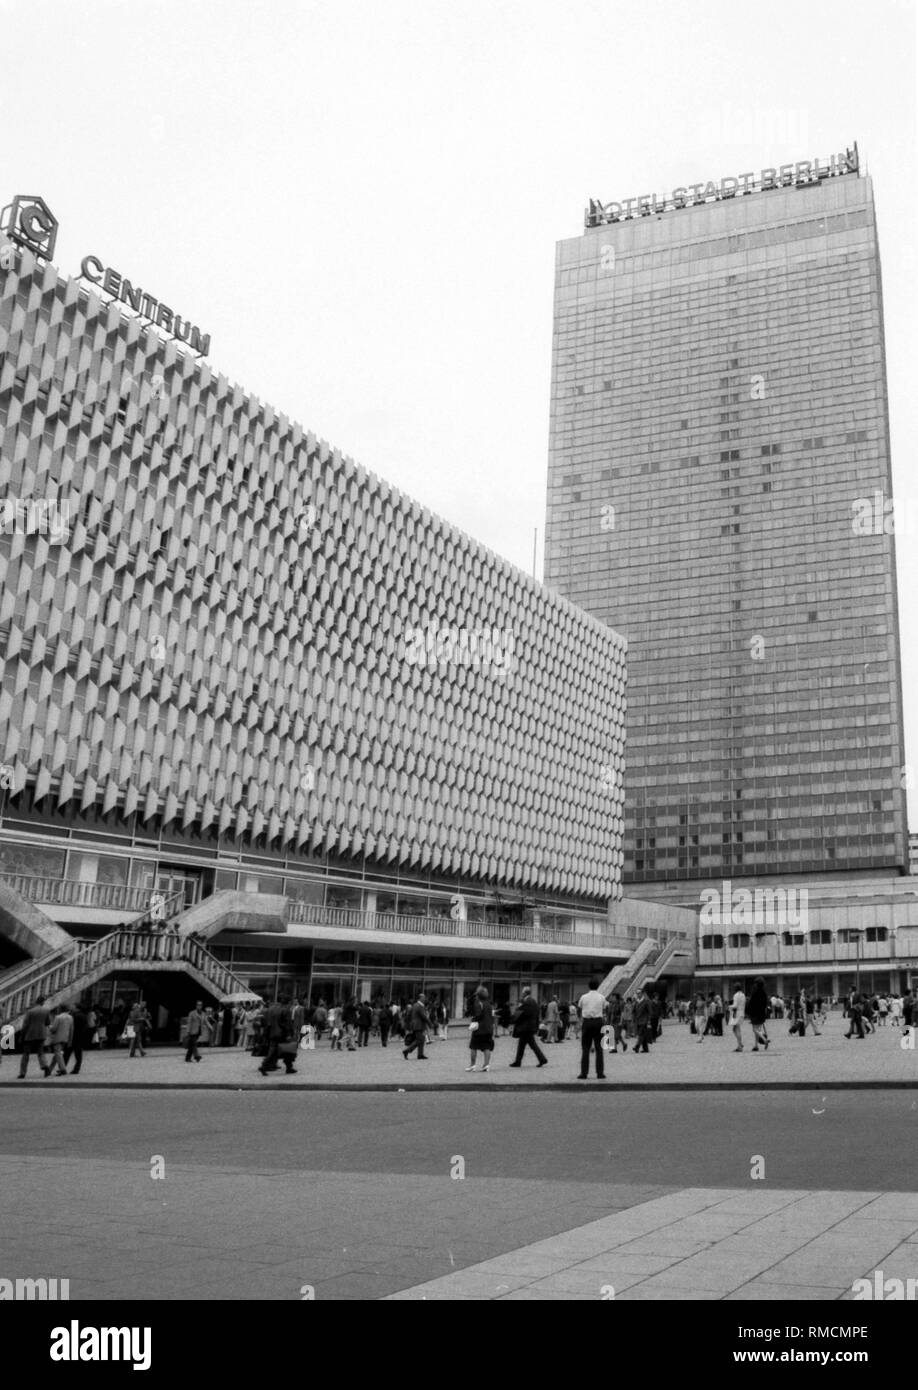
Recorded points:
360,200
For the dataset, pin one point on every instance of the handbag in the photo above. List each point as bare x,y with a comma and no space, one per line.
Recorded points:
128,1034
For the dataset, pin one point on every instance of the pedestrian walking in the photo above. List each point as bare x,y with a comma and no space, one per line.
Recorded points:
82,1037
419,1022
481,1030
526,1027
737,1014
282,1041
35,1028
643,1021
364,1023
855,1017
615,1018
60,1036
385,1023
808,1012
592,1007
757,1007
552,1019
135,1027
194,1028
349,1017
656,1014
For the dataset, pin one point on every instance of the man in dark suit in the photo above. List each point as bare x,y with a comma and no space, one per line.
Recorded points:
279,1024
81,1038
643,1019
525,1029
418,1023
35,1028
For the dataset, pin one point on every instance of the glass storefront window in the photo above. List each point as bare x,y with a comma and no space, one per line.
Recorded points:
304,890
32,859
97,868
260,883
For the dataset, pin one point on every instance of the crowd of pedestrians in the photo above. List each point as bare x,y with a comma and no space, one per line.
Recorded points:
275,1033
804,1011
55,1036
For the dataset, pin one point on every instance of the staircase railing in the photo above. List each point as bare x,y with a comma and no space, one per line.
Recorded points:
147,940
627,969
72,892
121,947
652,969
38,971
27,968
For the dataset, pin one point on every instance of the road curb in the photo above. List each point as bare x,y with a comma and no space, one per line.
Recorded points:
530,1088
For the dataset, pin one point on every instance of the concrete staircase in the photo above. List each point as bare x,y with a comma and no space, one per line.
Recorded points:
620,976
153,942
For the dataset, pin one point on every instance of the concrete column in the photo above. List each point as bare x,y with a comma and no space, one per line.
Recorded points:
458,1010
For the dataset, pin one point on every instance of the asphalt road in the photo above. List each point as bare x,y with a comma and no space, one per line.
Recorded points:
838,1140
360,1195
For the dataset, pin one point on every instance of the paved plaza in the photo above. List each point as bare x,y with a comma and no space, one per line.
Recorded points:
675,1059
344,1194
699,1174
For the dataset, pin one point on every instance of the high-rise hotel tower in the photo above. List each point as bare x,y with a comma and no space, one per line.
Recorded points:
719,492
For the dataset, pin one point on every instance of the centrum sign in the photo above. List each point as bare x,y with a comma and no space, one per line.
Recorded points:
160,315
785,175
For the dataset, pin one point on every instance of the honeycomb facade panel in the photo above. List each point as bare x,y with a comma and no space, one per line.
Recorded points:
235,626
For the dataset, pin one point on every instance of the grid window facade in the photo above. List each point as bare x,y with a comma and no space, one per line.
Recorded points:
764,693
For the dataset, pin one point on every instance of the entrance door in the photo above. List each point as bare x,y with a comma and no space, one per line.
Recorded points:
173,878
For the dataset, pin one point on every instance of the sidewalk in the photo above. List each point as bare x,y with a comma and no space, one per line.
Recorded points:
702,1244
675,1061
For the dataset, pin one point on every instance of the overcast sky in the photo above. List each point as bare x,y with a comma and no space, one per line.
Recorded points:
360,199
